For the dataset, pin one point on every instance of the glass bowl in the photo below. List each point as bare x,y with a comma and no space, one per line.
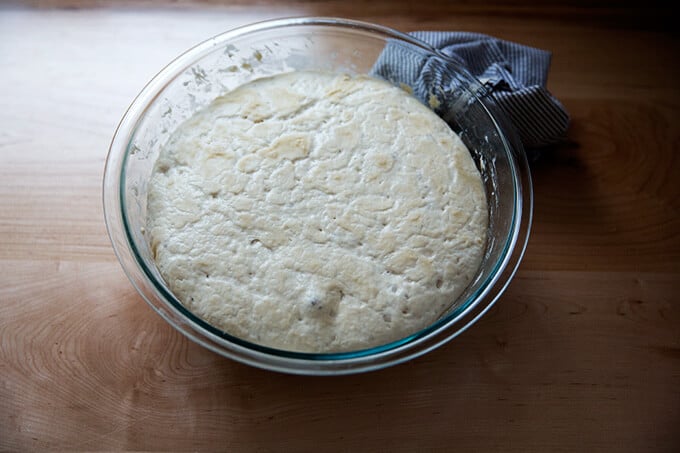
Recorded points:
228,60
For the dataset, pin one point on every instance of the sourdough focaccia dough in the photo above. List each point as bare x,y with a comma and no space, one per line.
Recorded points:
317,212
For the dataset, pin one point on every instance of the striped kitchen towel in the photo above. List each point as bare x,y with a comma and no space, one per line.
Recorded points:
513,74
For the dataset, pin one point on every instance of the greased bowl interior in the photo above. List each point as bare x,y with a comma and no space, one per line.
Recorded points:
228,60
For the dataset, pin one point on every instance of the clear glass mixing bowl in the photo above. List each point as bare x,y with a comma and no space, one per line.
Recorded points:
226,61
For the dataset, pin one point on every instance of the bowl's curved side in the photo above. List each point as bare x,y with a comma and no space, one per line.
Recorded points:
139,137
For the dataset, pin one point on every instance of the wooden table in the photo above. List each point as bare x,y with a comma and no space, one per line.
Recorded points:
582,353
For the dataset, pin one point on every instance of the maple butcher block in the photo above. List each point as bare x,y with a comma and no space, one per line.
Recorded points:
581,353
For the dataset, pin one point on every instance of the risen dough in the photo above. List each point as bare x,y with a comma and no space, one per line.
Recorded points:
317,212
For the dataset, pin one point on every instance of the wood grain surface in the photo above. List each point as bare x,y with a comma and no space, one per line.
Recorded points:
582,353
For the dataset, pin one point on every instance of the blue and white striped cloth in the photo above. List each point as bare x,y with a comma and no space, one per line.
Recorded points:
515,76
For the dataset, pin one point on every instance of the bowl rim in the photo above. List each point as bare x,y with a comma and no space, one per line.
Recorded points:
169,307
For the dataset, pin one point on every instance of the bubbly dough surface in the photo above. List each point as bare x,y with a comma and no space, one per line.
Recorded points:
317,212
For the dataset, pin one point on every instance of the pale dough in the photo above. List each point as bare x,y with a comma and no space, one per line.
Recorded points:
317,212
